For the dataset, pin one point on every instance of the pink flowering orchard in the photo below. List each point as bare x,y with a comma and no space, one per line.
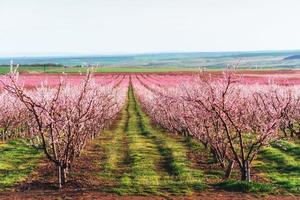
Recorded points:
63,118
150,99
233,118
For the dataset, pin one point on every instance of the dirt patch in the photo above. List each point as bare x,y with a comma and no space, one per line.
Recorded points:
71,194
82,175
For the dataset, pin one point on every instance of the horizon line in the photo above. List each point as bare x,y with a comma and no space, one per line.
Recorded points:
119,54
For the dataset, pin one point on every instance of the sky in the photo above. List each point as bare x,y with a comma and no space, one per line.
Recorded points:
54,27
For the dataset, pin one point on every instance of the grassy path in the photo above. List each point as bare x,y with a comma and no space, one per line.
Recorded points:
143,160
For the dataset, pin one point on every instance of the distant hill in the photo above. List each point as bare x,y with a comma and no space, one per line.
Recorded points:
254,59
294,57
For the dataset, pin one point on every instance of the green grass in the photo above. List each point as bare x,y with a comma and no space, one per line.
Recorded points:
174,150
281,164
144,160
126,163
289,147
17,161
242,186
113,142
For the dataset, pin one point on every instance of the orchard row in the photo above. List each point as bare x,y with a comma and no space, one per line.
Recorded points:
233,118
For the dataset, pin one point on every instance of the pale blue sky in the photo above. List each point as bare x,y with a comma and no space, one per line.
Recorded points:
39,27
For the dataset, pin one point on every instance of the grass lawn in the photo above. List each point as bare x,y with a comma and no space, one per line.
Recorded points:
17,161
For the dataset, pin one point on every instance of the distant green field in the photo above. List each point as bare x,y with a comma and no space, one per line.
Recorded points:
30,69
59,69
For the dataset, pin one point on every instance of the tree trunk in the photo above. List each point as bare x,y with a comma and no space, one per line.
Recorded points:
215,157
292,134
205,145
229,169
62,176
245,171
59,177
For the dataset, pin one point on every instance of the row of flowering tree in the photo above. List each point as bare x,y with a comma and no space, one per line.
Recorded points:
60,119
234,120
